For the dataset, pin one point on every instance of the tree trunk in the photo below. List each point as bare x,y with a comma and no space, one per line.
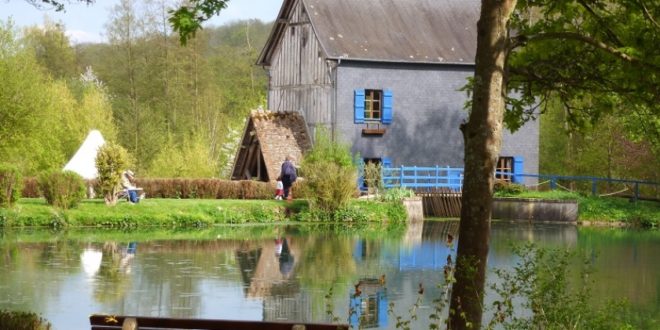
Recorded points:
483,139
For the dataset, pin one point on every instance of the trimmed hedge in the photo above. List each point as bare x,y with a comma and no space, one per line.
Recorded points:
206,189
185,188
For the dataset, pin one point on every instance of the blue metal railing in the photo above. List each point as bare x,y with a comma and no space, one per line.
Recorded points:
422,177
415,177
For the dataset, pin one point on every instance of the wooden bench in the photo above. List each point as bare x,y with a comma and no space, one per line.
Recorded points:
108,322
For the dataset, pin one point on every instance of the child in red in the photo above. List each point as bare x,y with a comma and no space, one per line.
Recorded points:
279,189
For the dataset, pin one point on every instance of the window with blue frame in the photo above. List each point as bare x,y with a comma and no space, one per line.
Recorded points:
504,169
373,106
508,169
373,99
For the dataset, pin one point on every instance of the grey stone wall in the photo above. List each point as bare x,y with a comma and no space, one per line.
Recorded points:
428,109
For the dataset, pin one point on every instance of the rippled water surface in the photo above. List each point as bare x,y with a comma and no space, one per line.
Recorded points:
285,273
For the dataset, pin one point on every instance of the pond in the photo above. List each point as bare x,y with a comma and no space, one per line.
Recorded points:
285,273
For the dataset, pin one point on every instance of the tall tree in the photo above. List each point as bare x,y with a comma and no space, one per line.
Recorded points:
483,139
52,49
595,56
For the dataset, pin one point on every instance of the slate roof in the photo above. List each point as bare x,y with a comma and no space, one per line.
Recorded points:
410,31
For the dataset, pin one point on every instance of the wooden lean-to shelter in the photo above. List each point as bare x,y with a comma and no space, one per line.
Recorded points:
268,138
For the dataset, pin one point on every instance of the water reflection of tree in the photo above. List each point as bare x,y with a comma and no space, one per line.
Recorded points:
18,274
111,283
326,262
247,260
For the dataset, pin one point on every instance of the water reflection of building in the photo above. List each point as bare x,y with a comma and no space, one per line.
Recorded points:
268,273
428,251
368,304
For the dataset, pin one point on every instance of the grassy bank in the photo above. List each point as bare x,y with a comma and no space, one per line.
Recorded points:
30,212
602,209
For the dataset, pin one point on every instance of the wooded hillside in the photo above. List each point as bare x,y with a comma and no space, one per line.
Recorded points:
177,110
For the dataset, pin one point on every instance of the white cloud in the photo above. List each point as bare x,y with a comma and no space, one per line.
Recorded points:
79,36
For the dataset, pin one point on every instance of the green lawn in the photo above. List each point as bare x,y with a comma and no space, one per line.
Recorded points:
186,213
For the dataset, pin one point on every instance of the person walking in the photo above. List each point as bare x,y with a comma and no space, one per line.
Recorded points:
288,175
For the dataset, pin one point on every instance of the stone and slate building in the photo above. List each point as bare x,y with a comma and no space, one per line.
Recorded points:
384,76
268,138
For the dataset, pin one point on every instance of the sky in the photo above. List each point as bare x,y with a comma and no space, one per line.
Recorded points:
87,23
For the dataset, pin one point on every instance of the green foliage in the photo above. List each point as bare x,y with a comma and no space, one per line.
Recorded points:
25,109
52,49
32,103
63,189
329,174
372,177
550,194
11,184
603,149
593,58
505,188
22,321
188,19
190,159
397,194
614,209
111,161
541,283
359,212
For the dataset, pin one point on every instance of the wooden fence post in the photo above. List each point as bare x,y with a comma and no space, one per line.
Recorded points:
594,186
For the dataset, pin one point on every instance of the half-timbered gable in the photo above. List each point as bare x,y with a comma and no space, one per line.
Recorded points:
299,73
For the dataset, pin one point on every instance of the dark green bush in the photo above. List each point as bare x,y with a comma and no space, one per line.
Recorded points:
63,189
22,321
504,188
10,185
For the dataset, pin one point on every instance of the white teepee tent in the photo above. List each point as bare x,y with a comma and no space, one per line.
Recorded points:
83,161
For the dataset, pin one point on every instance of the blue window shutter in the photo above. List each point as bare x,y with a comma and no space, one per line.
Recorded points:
358,106
387,106
386,162
518,168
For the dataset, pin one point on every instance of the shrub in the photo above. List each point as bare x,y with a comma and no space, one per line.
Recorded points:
22,321
541,293
372,177
397,194
10,185
30,188
504,188
330,177
111,161
62,189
